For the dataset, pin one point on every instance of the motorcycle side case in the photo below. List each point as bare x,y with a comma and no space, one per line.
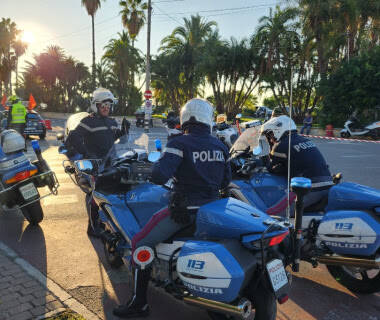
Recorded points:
350,232
215,270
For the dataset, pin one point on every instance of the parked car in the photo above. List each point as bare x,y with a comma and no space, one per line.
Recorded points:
35,124
263,112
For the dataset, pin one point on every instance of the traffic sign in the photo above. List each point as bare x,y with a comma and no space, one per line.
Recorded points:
148,106
148,94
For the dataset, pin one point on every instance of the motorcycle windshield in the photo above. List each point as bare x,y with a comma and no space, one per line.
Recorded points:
249,140
127,148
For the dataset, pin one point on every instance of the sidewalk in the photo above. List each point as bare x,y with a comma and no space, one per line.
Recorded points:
27,294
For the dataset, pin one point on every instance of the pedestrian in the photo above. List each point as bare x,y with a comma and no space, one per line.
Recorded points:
307,123
16,115
198,162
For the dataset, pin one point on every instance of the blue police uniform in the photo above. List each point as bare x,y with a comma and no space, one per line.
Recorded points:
94,136
198,162
305,161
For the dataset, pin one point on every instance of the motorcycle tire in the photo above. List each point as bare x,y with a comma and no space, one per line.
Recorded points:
345,135
263,302
112,257
33,213
365,285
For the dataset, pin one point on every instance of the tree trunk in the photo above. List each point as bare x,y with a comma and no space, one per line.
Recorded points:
16,73
93,52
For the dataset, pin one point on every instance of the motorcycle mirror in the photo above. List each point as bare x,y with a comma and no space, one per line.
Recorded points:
238,116
158,144
84,165
60,136
257,151
154,156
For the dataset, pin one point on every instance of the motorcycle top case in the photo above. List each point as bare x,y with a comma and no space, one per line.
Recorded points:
214,270
353,196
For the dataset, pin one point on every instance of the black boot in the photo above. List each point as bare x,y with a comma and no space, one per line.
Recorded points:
137,306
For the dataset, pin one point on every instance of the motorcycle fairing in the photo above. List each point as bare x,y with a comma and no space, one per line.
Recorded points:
229,219
209,269
350,232
14,163
352,196
120,214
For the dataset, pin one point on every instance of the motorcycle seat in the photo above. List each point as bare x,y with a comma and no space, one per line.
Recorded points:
318,206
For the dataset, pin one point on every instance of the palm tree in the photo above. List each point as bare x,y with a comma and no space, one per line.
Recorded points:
133,16
189,40
92,6
19,48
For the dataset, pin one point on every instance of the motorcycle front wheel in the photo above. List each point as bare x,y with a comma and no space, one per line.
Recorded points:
263,302
356,279
33,212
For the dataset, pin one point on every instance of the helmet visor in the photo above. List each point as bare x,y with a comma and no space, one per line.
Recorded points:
106,105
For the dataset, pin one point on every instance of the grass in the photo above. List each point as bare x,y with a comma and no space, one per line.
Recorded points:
158,116
67,315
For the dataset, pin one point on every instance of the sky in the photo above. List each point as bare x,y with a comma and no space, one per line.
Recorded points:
66,23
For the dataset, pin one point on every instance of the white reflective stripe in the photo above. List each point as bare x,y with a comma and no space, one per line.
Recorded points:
92,129
114,128
175,151
322,184
279,154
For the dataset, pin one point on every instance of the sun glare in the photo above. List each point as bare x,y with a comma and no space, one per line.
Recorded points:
27,37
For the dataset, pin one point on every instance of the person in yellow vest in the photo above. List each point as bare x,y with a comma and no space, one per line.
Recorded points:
16,115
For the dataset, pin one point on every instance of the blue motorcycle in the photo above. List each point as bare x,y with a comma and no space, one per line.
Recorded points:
232,265
20,178
342,230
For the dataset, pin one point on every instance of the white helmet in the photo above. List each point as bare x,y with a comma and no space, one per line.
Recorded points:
278,125
197,111
101,95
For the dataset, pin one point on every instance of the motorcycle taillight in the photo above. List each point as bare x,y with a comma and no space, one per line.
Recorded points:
21,176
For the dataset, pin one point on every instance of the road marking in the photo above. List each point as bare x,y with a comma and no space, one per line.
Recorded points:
60,200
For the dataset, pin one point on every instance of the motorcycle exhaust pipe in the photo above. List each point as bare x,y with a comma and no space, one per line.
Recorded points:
242,310
353,262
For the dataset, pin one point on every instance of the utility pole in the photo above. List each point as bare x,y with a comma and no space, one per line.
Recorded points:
348,46
148,103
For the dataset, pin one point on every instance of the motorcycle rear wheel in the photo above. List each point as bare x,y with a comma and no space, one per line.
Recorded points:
263,302
33,213
356,281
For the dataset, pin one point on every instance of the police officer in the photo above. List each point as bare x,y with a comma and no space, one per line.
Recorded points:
305,158
96,133
197,162
93,138
16,115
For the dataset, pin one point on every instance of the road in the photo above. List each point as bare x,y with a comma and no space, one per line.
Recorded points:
60,248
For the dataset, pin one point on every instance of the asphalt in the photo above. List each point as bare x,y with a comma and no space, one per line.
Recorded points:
61,250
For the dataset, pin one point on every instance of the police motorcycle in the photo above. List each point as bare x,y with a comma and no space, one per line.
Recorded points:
341,231
233,265
172,125
353,128
20,178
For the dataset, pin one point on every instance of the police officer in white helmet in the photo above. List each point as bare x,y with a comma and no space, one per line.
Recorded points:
198,164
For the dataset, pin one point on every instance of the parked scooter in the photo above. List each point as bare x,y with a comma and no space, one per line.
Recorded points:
20,178
234,262
173,125
354,128
341,231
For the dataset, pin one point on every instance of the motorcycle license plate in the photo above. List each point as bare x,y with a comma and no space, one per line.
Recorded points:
277,274
28,191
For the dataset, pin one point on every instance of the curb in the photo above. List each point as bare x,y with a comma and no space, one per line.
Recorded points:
339,139
49,285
